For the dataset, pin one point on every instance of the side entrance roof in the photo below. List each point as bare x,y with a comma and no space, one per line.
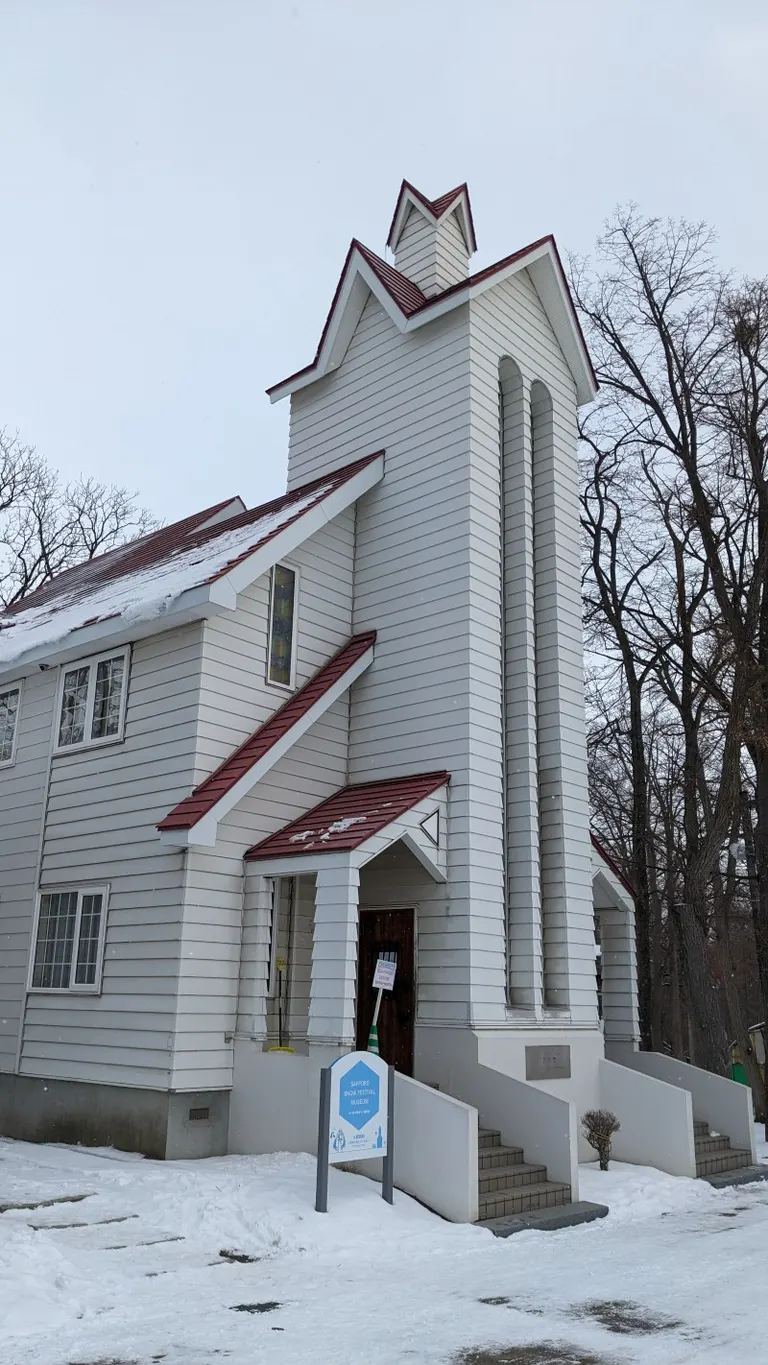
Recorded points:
195,819
358,822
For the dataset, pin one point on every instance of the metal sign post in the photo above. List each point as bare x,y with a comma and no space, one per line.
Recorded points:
356,1119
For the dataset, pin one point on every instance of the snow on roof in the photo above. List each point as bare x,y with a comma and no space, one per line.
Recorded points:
142,580
349,817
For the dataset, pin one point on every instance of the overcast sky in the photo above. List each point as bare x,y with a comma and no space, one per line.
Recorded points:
179,181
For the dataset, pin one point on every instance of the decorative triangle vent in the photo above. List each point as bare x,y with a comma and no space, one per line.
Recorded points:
431,827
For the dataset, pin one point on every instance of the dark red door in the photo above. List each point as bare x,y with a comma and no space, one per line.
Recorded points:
387,933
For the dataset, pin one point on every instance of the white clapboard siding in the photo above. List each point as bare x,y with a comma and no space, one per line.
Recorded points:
310,772
427,579
433,255
104,806
234,700
22,796
510,321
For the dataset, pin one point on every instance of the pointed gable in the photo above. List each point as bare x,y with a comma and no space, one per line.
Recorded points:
432,241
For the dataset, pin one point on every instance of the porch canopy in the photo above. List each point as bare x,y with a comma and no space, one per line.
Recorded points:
333,841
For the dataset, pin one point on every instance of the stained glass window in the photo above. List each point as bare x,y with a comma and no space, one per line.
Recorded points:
282,612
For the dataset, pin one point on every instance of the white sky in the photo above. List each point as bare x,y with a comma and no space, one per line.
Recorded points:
180,179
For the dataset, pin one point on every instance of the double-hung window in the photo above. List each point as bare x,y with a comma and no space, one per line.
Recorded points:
92,701
69,940
10,698
281,649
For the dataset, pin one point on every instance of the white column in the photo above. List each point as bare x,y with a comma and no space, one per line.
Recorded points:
333,989
566,875
524,941
619,969
254,956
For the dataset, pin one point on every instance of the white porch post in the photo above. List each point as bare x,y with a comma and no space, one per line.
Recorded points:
332,995
254,955
619,967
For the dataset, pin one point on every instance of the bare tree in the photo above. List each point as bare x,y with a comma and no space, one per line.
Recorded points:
47,526
676,514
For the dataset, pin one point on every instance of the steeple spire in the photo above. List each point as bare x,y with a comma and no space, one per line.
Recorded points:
432,239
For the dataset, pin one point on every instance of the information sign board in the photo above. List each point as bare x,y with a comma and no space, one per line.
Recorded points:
357,1127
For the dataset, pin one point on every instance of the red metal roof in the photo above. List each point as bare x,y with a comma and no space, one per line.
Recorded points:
613,865
203,799
349,817
436,207
411,300
78,583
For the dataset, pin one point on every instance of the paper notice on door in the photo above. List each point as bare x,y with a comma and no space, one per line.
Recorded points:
384,975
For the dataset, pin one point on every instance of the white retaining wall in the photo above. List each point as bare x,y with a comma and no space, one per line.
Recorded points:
656,1120
726,1105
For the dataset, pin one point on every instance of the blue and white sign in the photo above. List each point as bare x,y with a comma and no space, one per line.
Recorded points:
358,1123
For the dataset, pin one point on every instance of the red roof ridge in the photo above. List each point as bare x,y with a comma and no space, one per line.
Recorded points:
350,816
412,301
210,791
435,207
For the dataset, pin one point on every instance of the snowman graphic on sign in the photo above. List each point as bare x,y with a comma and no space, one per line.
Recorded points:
338,1141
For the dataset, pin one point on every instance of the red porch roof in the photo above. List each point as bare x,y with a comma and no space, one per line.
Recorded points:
349,817
203,799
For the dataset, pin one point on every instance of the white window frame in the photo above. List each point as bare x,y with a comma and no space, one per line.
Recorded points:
86,889
92,664
5,688
284,564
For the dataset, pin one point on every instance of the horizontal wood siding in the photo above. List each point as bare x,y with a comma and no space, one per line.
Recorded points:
210,954
103,808
234,700
509,320
23,789
427,579
234,695
433,255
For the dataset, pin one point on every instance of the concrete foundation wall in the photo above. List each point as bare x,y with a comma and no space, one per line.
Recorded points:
154,1122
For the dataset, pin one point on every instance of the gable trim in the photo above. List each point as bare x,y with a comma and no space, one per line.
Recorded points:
540,258
203,832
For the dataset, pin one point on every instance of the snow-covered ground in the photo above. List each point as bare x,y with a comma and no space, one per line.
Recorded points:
134,1273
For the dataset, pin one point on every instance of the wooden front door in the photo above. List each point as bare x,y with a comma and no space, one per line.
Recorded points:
387,932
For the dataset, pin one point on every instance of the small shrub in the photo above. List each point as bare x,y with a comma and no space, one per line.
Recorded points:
599,1126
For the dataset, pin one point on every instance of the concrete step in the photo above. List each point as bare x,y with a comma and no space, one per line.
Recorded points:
714,1163
705,1145
546,1194
511,1177
700,1128
488,1158
488,1137
547,1220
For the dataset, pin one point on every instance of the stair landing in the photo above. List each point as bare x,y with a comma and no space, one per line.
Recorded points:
516,1194
720,1163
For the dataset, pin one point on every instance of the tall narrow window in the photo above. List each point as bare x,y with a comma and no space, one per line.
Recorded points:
69,944
282,624
9,715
